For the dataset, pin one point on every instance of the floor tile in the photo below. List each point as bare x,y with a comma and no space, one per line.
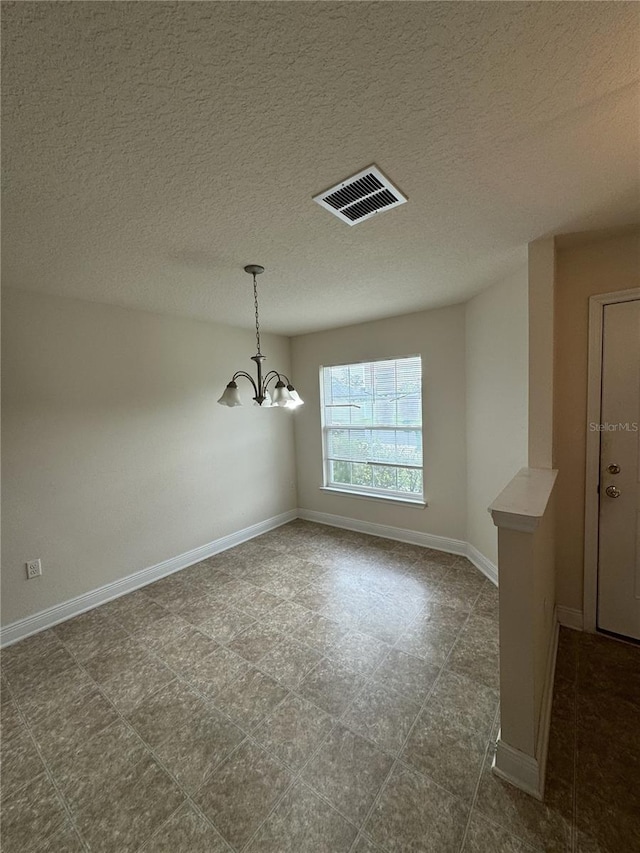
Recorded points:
330,687
20,762
364,845
224,625
255,641
607,830
432,635
347,596
382,715
187,649
249,699
609,665
294,731
312,597
282,584
359,653
78,720
487,604
109,662
159,715
199,607
259,603
451,755
287,616
38,647
476,653
387,626
427,571
129,687
602,776
30,817
90,633
125,814
174,593
409,675
65,840
134,611
44,697
458,591
319,633
11,724
347,609
242,792
169,584
290,662
187,831
467,703
83,773
213,673
534,822
567,657
414,814
191,752
303,822
25,671
167,629
483,836
348,771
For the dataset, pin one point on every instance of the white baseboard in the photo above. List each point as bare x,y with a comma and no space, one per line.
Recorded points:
570,617
517,768
414,537
61,612
525,771
401,534
489,569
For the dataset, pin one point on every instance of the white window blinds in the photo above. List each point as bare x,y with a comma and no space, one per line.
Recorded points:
372,427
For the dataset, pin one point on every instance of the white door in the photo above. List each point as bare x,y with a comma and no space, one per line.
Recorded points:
619,525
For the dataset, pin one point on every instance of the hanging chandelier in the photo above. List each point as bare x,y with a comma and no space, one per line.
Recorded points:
284,394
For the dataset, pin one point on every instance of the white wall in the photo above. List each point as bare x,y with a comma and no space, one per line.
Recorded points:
115,455
496,400
438,336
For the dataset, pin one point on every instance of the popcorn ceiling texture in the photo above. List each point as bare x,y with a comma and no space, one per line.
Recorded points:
152,149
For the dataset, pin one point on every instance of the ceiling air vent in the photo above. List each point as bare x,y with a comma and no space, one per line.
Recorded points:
361,196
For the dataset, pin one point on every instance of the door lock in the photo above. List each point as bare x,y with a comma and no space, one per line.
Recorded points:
613,468
612,491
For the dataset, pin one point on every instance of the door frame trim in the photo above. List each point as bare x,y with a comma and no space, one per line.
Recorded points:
597,305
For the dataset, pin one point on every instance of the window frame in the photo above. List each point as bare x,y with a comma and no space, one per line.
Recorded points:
370,492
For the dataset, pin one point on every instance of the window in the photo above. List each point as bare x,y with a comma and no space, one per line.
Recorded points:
372,428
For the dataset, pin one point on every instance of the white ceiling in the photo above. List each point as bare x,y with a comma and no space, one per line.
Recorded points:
150,150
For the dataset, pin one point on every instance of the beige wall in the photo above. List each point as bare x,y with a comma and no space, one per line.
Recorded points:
582,270
115,455
439,337
496,400
541,269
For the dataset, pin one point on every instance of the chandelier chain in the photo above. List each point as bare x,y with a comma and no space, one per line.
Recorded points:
255,299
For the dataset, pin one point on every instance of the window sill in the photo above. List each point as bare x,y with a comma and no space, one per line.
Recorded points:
418,504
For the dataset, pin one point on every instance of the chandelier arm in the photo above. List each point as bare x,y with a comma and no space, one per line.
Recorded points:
271,375
248,376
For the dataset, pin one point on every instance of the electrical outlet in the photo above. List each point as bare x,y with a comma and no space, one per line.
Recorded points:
34,569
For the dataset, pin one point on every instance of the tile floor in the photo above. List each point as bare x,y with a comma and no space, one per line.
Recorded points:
311,691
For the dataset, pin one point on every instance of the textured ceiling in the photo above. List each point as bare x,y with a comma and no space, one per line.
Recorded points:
150,150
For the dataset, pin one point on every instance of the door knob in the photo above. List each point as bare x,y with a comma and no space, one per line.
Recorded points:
612,491
613,468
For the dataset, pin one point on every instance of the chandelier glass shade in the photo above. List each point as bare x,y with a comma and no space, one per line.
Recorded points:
272,388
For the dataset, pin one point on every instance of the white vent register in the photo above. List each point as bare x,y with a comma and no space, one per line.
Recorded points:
361,196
